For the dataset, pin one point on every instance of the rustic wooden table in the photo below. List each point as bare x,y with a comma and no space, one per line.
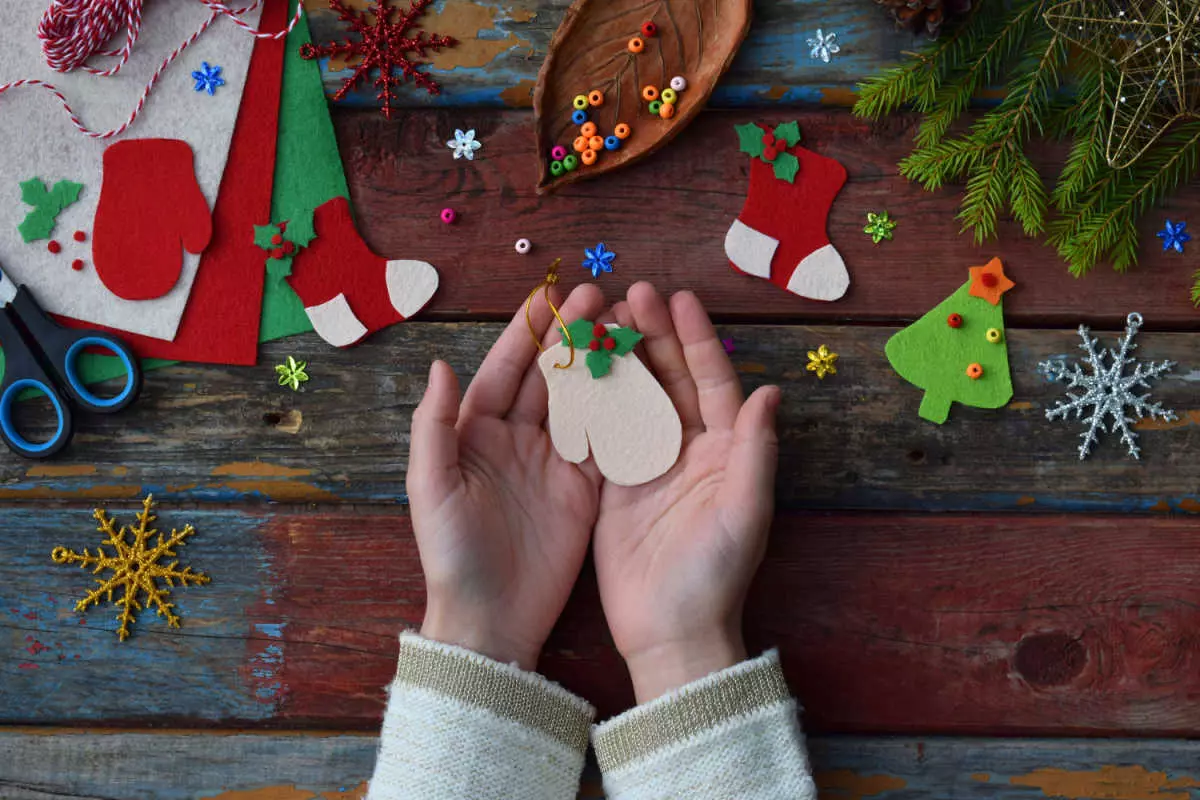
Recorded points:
932,589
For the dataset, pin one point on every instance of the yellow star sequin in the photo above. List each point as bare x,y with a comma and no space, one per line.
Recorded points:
135,567
821,361
1155,46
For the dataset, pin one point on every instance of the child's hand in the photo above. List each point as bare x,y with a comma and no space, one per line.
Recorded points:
502,522
675,557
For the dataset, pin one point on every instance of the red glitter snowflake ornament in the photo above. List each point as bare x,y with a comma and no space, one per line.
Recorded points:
382,46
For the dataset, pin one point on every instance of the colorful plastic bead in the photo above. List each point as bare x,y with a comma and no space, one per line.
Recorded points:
558,153
649,93
523,246
449,215
595,143
974,371
588,129
595,97
578,117
649,30
612,143
636,45
667,110
679,83
622,131
954,320
580,144
571,162
556,168
580,102
655,107
588,157
669,96
994,335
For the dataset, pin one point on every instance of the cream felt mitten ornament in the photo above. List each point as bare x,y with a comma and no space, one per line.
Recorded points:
603,399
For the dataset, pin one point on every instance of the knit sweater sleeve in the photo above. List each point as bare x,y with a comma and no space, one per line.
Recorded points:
734,733
460,725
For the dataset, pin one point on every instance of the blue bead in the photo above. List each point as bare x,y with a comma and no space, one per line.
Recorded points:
579,117
612,143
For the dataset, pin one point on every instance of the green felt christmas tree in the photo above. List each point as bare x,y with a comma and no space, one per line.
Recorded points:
958,350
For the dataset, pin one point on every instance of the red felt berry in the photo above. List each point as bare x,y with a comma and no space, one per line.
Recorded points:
80,236
77,264
277,252
770,154
277,239
54,247
649,29
288,248
989,280
954,320
781,145
768,139
599,331
610,343
594,344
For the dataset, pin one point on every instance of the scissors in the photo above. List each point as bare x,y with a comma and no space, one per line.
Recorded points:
35,346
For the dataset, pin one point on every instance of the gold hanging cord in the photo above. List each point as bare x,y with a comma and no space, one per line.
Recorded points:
550,280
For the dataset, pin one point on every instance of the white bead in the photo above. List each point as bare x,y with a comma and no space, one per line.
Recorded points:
523,246
679,83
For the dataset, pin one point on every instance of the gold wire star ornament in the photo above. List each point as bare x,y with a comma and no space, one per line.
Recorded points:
821,361
1155,47
135,567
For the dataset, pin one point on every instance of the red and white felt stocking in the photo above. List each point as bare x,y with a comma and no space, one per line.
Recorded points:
780,234
348,291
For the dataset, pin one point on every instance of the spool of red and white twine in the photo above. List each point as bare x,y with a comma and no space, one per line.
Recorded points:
73,31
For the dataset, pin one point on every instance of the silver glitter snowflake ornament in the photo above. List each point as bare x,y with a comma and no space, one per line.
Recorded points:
1107,391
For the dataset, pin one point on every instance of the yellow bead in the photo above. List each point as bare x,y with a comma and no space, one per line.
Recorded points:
994,335
669,96
580,102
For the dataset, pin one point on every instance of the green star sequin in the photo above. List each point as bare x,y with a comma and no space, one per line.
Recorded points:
292,373
879,226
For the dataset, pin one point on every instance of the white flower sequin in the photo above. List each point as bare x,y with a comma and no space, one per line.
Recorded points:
824,45
464,144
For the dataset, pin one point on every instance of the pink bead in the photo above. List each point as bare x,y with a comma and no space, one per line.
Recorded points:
558,153
449,215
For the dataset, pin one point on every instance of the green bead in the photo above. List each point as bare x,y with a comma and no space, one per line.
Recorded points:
570,162
580,102
655,106
669,96
556,168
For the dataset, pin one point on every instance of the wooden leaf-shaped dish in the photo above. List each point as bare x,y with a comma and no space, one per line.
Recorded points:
695,39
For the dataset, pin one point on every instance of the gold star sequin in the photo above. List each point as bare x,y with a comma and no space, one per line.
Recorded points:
821,361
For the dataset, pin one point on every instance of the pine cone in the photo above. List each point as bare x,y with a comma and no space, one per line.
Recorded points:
924,16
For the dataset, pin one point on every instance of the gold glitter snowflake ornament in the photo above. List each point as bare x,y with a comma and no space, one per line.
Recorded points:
135,567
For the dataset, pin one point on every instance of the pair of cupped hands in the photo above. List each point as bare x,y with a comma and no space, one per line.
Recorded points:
503,523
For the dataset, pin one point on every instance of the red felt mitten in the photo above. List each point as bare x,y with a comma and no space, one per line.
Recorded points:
348,291
150,206
780,234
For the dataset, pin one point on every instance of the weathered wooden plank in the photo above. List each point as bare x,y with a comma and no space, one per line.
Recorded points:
1014,625
502,44
60,764
853,440
666,219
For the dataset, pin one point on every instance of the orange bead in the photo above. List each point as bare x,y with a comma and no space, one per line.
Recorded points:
596,143
581,144
622,131
588,129
649,93
667,110
636,45
595,97
589,157
974,372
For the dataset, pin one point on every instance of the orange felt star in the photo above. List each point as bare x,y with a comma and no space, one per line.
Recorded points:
989,281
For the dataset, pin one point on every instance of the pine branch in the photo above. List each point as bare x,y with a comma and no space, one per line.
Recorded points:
1087,118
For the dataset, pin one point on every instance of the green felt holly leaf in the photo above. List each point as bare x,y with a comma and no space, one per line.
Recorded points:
300,229
599,362
789,132
786,166
279,268
750,139
38,224
581,334
626,339
33,192
65,193
263,235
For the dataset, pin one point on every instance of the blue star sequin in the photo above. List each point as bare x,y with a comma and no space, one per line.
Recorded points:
208,78
599,259
1174,235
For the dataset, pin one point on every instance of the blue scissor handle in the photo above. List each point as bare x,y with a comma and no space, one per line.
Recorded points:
22,372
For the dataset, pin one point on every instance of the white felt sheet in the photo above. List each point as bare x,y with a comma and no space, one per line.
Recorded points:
40,141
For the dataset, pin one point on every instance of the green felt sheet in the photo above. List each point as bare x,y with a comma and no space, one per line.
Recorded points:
934,356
